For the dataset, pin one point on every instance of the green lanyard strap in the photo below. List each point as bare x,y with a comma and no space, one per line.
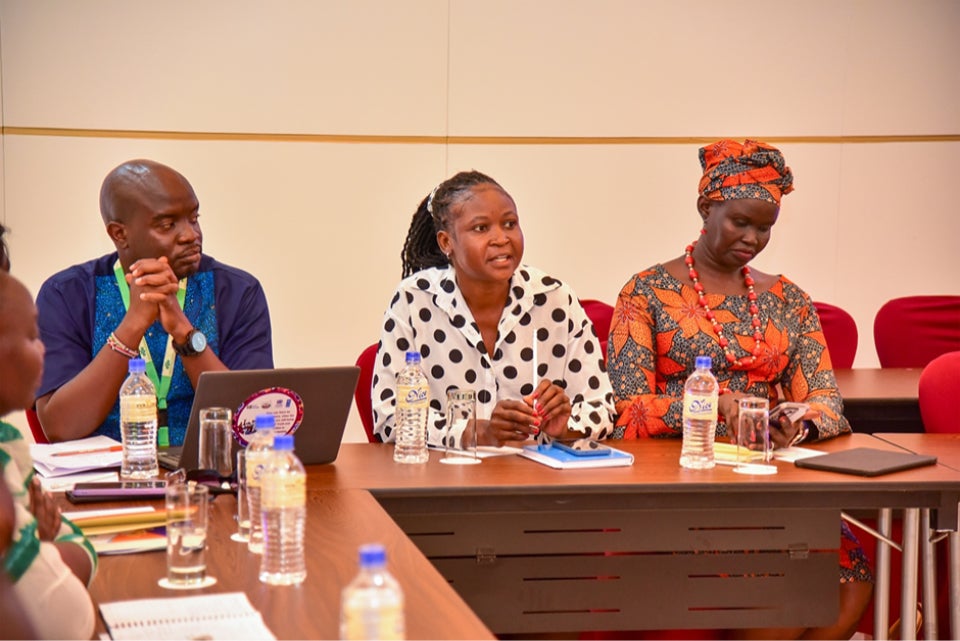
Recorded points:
161,384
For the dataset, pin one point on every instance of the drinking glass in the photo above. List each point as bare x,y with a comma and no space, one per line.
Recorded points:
242,535
754,449
215,436
461,411
187,516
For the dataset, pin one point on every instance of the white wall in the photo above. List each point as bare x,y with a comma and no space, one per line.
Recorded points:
343,115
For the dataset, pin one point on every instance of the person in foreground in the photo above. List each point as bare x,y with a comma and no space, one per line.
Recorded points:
761,331
157,296
46,558
483,320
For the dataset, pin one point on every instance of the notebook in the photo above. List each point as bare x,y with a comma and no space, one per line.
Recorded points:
866,461
311,403
228,615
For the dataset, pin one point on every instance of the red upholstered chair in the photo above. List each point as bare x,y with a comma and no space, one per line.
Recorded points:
601,315
840,330
361,395
34,421
938,392
914,330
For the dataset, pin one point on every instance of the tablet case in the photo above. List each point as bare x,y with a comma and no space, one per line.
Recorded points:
866,461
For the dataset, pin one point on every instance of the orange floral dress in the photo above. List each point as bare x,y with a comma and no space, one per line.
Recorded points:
658,330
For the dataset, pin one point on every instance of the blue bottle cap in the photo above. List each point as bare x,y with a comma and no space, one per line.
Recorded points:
372,554
413,357
283,442
264,422
704,362
137,366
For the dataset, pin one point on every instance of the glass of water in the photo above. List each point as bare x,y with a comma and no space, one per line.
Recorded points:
216,430
460,439
754,449
187,516
242,535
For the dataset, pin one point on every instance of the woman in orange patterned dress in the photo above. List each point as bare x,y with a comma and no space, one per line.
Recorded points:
761,331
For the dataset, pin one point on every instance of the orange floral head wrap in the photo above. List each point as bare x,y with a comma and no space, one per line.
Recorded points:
751,170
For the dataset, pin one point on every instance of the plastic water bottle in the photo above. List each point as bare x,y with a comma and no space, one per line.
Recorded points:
700,401
413,406
283,505
372,604
138,423
259,449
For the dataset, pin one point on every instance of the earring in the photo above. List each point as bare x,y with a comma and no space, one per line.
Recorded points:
703,230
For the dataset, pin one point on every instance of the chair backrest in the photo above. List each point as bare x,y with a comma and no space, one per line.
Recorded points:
840,331
914,330
35,428
361,395
601,315
938,392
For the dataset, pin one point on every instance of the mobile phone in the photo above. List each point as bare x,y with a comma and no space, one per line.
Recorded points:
583,447
116,491
793,411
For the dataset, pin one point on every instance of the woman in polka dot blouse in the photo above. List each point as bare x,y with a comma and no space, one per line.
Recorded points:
482,320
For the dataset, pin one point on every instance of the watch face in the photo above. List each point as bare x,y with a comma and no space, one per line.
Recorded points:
198,342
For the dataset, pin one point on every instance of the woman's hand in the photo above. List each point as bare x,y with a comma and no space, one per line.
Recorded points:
552,407
510,421
45,510
729,408
783,430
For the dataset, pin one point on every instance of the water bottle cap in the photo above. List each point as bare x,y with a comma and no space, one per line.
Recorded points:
372,554
137,366
264,422
704,362
413,357
283,442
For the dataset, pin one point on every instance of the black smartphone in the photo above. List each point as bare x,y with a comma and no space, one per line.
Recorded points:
583,447
116,491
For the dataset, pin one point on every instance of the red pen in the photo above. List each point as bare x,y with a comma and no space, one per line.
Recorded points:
99,450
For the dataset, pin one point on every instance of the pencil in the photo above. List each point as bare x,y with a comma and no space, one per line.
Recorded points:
99,450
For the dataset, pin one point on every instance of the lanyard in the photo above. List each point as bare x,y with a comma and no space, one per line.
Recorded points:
161,384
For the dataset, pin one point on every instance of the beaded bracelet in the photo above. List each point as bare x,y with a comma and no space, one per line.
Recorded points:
119,347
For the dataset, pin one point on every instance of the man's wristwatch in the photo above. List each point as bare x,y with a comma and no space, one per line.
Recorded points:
196,342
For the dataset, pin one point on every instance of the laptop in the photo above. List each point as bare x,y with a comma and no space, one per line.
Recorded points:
311,403
866,461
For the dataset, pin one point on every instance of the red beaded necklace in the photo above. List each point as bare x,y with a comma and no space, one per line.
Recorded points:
754,311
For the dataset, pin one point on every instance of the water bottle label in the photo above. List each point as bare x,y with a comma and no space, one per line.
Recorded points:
283,491
700,407
386,623
138,409
413,396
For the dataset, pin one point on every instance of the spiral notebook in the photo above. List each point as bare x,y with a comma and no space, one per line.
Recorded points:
205,616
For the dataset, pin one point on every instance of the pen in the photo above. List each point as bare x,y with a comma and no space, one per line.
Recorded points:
99,450
534,358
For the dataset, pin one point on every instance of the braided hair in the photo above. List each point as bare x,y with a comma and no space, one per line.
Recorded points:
420,249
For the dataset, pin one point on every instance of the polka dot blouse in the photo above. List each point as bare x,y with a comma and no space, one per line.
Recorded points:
428,313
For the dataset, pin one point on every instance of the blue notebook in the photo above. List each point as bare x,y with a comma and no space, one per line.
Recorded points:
562,460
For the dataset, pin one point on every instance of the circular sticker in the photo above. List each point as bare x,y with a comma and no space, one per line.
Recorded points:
284,404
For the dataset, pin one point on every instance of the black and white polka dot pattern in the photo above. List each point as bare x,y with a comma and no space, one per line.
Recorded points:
429,314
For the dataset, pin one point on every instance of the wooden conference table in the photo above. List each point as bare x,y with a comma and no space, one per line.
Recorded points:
532,549
338,522
881,399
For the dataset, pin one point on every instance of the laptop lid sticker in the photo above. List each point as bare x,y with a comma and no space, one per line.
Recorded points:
285,405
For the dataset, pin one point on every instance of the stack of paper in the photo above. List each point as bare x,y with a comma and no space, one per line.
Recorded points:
79,461
122,530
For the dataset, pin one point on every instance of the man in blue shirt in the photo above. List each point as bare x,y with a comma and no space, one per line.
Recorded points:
156,296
